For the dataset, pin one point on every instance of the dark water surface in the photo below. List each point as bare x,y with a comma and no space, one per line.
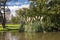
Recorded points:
29,36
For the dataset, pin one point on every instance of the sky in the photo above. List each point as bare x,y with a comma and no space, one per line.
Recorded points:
17,4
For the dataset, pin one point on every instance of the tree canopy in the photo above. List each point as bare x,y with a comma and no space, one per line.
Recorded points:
45,13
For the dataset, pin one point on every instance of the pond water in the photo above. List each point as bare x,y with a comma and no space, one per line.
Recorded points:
29,36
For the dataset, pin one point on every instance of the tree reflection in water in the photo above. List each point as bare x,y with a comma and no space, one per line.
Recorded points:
29,36
7,36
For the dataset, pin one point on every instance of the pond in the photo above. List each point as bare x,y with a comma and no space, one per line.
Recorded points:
14,35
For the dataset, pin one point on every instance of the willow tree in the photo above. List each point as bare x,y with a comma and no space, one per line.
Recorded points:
44,11
49,10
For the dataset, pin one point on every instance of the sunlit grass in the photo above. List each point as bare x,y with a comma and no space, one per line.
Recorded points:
10,26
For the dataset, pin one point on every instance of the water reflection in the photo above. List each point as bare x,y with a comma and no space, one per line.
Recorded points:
29,36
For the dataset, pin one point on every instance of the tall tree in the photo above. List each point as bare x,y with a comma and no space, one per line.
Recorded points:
48,9
3,4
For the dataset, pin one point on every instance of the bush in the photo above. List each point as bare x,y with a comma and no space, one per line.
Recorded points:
33,27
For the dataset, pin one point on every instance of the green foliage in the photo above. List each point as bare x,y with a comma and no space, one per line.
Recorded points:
32,27
42,15
15,20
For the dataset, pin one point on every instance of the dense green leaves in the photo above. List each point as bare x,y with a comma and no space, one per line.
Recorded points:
46,13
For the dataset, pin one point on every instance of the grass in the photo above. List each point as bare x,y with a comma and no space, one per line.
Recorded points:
10,26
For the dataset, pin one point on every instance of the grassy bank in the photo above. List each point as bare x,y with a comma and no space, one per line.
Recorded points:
10,26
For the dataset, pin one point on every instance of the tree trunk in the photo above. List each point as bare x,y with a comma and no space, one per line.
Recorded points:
4,19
